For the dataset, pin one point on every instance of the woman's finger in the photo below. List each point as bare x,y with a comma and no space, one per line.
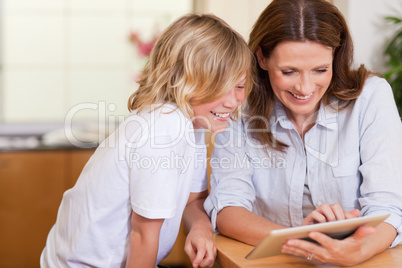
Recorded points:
338,212
352,214
326,210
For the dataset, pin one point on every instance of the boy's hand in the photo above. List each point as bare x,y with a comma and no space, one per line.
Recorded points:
200,247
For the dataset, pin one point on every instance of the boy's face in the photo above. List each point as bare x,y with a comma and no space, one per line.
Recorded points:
215,115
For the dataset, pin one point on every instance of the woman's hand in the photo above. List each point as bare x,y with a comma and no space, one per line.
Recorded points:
349,251
200,247
326,212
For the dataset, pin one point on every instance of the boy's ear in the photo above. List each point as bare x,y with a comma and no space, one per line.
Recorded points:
262,61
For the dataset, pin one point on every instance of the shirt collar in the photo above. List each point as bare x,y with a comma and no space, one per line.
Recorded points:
328,114
279,116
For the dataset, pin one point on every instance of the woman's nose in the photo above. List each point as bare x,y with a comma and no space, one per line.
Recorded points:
306,85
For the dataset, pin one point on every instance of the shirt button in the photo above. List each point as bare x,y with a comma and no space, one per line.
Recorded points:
310,141
318,204
311,170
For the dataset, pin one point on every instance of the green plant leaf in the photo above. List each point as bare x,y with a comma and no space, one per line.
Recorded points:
394,19
393,51
388,75
395,44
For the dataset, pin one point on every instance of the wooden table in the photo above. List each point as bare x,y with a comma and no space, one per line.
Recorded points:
231,254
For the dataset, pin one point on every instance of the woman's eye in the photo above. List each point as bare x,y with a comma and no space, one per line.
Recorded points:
321,70
240,86
287,72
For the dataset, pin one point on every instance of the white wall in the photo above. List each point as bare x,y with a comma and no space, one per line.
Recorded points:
369,29
61,53
240,14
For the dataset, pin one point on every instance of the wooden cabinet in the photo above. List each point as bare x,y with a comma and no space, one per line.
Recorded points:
76,160
32,184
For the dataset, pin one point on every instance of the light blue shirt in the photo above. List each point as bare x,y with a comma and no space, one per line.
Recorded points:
352,157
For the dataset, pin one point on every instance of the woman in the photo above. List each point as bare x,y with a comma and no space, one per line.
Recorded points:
321,141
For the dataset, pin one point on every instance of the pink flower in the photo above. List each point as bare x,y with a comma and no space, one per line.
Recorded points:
144,48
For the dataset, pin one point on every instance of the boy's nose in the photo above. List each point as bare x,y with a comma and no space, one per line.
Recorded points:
234,98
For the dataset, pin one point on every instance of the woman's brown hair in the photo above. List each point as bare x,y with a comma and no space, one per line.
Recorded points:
302,20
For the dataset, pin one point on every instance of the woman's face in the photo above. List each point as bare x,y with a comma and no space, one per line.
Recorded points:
300,73
215,115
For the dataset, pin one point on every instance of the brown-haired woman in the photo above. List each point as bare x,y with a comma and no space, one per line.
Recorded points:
321,141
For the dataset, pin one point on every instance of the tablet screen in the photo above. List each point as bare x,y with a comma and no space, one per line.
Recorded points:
271,245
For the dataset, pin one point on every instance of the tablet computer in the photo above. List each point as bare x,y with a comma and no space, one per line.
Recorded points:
271,245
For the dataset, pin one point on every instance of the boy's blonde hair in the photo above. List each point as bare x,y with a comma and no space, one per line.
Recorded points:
197,59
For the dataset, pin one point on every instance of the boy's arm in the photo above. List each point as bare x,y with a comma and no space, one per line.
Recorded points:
199,245
144,241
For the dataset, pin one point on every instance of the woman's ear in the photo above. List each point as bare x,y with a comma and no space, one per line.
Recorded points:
262,60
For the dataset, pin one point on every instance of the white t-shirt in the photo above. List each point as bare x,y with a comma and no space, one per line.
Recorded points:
149,165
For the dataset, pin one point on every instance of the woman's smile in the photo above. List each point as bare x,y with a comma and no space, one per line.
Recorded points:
301,97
